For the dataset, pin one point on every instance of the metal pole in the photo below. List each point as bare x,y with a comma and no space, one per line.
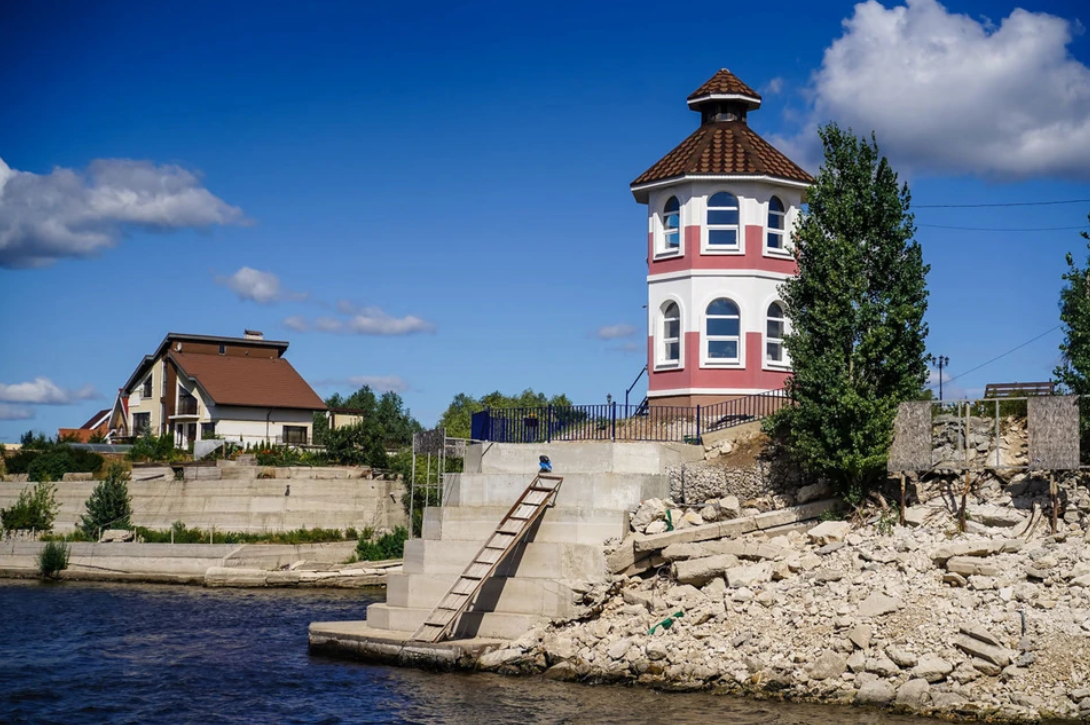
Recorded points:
412,489
997,439
427,483
698,424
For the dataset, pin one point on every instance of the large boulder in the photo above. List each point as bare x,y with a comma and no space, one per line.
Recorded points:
878,693
828,532
747,576
653,509
827,666
698,572
878,604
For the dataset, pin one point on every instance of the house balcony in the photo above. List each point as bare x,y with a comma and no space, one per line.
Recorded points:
187,408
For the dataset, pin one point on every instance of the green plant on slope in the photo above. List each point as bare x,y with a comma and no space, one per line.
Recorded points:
53,559
856,308
389,546
109,505
1073,373
36,508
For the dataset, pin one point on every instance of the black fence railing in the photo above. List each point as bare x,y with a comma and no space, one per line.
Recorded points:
613,421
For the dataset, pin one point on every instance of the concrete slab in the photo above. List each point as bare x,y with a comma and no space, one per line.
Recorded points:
544,560
544,597
618,491
560,524
493,625
359,641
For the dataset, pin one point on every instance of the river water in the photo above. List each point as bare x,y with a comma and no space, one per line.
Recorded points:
76,653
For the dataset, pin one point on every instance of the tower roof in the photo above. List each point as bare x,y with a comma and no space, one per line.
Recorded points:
724,86
724,145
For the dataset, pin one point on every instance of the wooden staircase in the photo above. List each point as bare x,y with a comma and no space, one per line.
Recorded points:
531,505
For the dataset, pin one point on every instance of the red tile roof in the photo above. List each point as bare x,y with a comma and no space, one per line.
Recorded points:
249,381
90,424
726,148
723,83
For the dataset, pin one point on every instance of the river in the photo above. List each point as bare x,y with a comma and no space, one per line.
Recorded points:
77,653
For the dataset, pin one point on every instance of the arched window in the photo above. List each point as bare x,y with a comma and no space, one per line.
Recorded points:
670,335
723,221
775,224
671,224
722,331
774,334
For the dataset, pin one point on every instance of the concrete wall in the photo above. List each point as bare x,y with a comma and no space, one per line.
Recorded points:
239,501
581,456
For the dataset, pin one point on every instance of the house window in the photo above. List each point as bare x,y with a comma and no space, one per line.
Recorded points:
723,221
295,435
671,225
187,403
774,335
774,236
146,392
223,349
722,332
208,430
141,423
670,335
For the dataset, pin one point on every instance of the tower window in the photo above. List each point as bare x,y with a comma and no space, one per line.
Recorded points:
722,332
671,225
774,237
670,335
723,221
774,335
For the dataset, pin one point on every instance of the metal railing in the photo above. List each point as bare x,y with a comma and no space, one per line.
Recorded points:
613,421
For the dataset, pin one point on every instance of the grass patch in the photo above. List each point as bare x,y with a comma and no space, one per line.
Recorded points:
388,546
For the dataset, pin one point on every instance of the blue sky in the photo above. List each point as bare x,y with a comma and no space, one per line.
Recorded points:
434,197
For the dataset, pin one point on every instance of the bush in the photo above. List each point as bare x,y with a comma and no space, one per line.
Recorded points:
389,546
35,509
109,505
150,447
52,559
52,463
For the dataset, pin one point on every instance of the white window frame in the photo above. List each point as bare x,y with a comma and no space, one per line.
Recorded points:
706,231
662,249
661,341
705,339
782,250
783,362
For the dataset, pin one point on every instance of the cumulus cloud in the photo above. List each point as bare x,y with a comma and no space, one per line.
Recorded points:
43,391
614,332
69,213
380,383
15,412
949,94
363,321
773,87
257,286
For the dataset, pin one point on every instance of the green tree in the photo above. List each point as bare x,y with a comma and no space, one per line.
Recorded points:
458,417
1073,372
856,309
109,505
36,508
385,425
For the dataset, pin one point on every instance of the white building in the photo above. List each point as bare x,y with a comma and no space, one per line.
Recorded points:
236,388
721,208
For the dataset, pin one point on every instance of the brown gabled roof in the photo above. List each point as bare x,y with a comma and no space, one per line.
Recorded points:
95,419
723,83
725,148
248,381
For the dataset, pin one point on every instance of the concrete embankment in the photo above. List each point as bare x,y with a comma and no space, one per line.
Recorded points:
240,498
214,565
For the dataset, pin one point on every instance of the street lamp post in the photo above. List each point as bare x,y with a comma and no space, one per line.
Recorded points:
942,361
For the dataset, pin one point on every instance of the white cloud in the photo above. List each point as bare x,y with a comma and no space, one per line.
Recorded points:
948,94
363,321
67,213
44,391
15,412
380,383
773,87
257,286
628,347
615,332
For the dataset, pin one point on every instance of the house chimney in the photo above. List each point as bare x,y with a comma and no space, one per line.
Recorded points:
253,335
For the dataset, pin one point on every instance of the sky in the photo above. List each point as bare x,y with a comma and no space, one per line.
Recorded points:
433,198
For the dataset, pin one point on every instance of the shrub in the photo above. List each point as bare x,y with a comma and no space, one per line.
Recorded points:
53,462
389,546
49,466
35,509
150,447
52,559
109,505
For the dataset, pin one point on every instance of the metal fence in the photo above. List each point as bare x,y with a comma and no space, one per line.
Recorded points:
620,422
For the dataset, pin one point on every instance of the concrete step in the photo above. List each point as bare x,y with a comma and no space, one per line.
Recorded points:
514,595
569,525
618,491
471,624
579,457
542,560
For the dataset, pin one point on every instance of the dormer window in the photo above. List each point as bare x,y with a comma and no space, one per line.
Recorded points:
723,221
671,225
774,236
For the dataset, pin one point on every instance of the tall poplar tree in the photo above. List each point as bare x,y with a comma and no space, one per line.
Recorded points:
1073,373
856,309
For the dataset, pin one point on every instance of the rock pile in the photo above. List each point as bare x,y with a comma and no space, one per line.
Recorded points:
991,624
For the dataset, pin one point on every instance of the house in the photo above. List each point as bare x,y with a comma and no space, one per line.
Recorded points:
200,386
99,423
344,417
721,208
